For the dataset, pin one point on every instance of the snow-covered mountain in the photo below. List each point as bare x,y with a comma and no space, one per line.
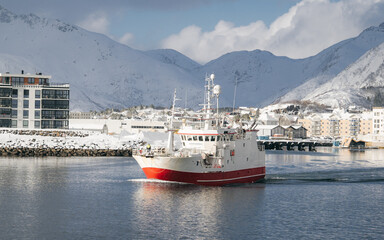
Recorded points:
359,84
173,57
102,73
263,78
331,61
106,74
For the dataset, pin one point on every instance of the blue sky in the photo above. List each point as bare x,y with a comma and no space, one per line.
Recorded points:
206,29
157,24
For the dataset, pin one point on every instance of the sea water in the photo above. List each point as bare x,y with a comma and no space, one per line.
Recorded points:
329,194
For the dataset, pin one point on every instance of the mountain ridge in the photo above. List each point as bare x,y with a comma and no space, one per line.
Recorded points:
106,74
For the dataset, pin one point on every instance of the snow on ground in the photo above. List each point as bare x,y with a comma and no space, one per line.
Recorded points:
89,141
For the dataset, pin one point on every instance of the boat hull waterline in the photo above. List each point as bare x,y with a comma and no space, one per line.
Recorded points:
217,178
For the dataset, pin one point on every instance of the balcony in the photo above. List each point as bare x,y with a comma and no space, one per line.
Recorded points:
57,85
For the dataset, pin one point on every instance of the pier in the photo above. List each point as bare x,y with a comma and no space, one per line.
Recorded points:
293,145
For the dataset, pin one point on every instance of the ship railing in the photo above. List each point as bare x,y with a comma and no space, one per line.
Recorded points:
144,152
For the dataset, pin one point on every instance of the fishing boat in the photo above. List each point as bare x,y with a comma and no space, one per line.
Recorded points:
212,153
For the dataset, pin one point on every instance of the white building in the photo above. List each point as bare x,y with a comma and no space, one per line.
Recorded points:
30,101
378,120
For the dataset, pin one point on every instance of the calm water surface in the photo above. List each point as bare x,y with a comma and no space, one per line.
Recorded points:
332,194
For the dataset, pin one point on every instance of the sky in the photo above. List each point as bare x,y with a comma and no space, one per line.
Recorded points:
206,29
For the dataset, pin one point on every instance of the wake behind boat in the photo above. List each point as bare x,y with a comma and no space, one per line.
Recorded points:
211,153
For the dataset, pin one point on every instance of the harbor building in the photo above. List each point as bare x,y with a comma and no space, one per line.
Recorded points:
32,102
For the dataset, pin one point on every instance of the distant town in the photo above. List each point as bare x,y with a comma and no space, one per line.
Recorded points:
33,102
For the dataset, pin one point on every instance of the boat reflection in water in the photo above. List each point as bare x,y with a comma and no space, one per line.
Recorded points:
182,208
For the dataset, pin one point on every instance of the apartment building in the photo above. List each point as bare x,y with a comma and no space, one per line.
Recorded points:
339,125
32,102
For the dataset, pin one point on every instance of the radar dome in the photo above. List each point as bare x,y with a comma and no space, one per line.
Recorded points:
216,89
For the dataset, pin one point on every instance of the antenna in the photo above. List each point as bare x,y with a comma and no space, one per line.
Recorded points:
234,95
216,92
186,99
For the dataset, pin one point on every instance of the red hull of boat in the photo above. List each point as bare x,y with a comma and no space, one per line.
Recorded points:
210,178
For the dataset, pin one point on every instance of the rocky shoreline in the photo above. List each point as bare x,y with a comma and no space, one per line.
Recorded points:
62,152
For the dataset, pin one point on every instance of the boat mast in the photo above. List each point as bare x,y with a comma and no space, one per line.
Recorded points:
208,108
171,131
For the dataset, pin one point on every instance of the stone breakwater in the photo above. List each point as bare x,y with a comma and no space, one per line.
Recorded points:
61,152
41,143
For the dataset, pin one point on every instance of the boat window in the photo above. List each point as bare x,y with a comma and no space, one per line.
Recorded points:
200,138
213,138
189,138
207,138
194,138
231,137
218,138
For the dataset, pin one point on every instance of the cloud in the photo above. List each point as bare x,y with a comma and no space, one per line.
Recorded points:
307,28
126,39
95,22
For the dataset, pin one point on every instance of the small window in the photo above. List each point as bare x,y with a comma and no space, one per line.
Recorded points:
37,114
37,103
14,93
14,113
14,123
25,123
25,113
194,138
218,138
213,138
37,94
26,104
31,80
26,93
207,138
201,138
14,103
189,138
37,124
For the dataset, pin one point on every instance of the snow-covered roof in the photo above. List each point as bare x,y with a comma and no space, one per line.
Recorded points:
266,127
